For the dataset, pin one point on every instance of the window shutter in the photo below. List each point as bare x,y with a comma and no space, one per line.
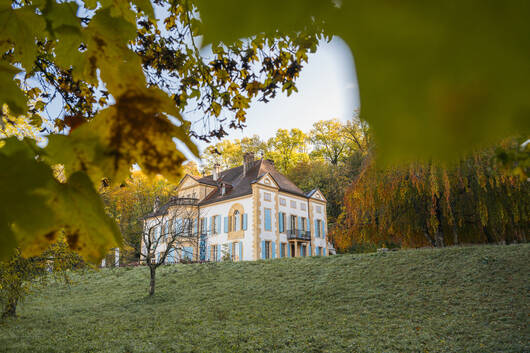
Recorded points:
323,230
288,250
280,222
195,226
226,224
324,251
230,250
244,221
218,252
273,250
317,230
308,225
240,251
268,219
218,224
263,249
208,249
210,230
309,250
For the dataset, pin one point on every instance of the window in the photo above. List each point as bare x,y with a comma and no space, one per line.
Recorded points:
283,202
203,225
268,223
267,196
234,251
318,225
267,249
303,224
282,250
293,204
319,209
237,221
293,222
215,224
302,206
213,255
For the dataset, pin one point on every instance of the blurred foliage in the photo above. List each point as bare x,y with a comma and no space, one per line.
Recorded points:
122,78
436,78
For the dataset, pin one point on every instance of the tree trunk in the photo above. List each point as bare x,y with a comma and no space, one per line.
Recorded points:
152,283
455,236
10,309
439,239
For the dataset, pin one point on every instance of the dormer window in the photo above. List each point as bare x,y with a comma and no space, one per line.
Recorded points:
223,189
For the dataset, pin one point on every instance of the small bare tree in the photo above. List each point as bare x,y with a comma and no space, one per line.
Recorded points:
169,231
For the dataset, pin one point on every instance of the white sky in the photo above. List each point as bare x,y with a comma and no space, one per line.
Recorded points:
327,89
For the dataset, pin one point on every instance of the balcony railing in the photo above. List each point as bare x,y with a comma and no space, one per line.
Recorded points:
184,201
298,234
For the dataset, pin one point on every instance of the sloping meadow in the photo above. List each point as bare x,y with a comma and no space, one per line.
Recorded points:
466,299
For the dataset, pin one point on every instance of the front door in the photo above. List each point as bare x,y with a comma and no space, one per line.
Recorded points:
293,253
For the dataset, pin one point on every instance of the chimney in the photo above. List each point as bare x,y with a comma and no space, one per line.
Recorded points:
248,158
156,204
216,172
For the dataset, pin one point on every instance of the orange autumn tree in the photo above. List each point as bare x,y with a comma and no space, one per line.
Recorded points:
422,204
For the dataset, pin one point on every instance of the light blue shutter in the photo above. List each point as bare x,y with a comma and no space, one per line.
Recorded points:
280,223
210,230
240,251
195,226
273,250
219,252
268,219
218,224
208,249
226,224
324,251
323,230
230,250
308,225
309,250
263,249
317,230
244,221
288,250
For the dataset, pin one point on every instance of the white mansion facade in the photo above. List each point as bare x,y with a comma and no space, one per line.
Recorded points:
248,213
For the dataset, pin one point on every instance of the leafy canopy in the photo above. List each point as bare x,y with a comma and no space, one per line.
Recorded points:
436,78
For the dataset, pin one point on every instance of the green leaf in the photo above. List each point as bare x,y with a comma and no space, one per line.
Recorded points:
36,207
132,131
89,230
10,93
20,28
436,78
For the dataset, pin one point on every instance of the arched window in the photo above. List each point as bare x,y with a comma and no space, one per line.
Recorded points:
237,221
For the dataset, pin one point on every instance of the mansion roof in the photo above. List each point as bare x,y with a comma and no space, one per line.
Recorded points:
237,184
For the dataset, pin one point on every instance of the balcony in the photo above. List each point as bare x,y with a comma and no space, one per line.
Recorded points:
298,234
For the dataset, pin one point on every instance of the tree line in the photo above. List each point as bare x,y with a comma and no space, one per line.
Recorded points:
483,197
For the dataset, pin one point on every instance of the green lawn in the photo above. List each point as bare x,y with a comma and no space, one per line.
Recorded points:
471,299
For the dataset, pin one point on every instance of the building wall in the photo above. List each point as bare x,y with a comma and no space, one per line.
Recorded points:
265,196
222,209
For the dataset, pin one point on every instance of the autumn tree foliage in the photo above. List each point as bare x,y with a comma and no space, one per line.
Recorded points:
430,204
121,77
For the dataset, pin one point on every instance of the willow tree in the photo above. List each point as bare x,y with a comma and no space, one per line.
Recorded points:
472,201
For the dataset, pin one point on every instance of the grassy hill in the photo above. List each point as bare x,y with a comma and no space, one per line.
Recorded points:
471,299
